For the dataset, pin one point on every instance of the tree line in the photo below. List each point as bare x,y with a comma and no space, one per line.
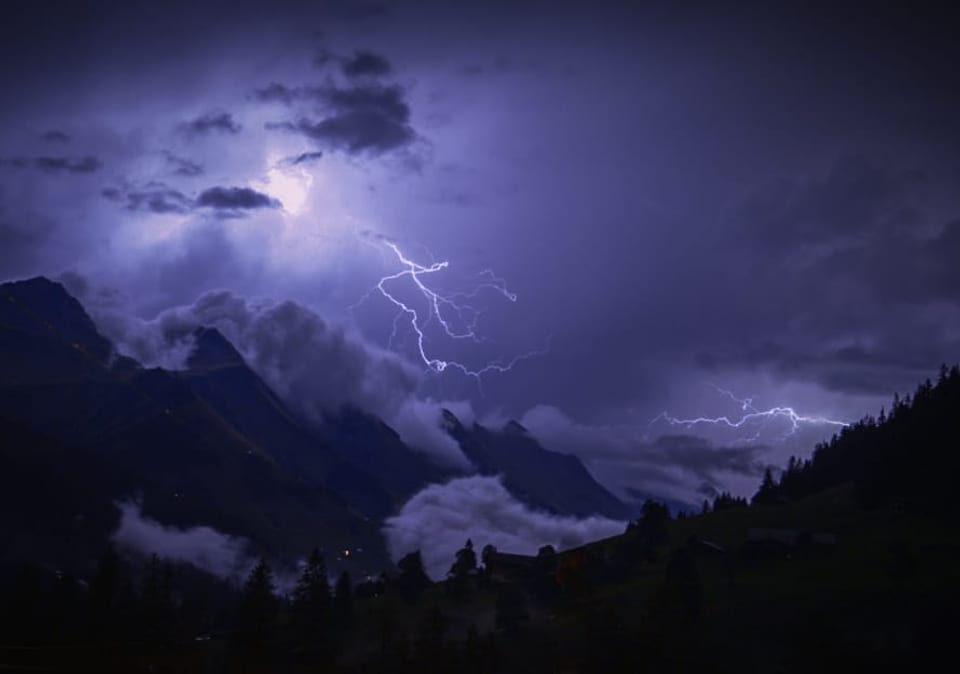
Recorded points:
905,458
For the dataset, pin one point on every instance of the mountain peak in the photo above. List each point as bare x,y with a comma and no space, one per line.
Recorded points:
212,350
515,428
40,306
450,421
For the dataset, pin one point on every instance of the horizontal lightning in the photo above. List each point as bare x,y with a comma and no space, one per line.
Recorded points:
752,417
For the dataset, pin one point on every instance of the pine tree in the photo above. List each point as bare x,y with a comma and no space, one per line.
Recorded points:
466,562
312,608
343,603
413,580
156,599
312,593
767,492
104,591
258,606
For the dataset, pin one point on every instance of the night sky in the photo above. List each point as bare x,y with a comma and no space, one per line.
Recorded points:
651,212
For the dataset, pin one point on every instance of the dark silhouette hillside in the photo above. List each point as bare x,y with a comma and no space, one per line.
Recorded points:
905,458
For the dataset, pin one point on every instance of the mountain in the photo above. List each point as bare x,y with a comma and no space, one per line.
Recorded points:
213,445
191,452
218,375
552,481
372,446
58,490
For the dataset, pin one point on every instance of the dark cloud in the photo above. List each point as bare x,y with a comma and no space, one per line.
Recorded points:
627,458
153,198
901,265
439,519
60,164
281,93
702,458
370,118
322,58
315,365
160,198
373,119
387,101
46,164
55,136
366,63
893,360
213,122
235,199
852,274
182,166
855,198
305,158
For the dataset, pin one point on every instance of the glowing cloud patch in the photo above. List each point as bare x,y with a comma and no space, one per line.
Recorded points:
291,186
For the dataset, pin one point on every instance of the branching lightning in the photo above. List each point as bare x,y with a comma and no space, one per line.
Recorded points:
454,313
752,418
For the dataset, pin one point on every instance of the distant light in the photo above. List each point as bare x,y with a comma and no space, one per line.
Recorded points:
291,186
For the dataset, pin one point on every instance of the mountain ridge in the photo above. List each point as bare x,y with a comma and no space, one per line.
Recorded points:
213,444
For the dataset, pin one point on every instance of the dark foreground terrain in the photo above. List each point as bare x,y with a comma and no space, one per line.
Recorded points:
846,562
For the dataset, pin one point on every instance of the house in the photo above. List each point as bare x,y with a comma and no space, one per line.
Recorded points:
507,566
705,548
783,543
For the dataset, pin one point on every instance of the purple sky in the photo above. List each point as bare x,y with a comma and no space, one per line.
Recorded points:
764,201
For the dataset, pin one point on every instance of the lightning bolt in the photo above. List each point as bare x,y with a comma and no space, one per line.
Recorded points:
455,313
751,418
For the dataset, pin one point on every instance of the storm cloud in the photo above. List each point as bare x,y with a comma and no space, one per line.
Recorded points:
305,158
47,164
153,198
366,63
182,166
281,93
56,136
317,367
363,119
212,122
368,118
373,119
859,260
235,199
664,464
162,199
